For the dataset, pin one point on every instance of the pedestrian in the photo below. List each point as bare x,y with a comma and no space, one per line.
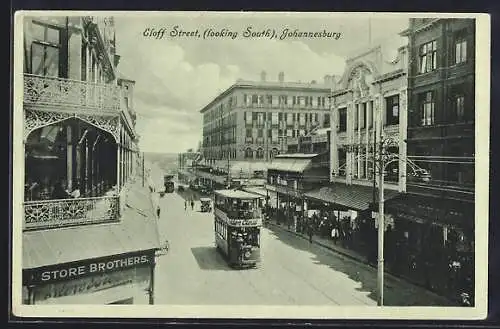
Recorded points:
185,205
158,211
192,204
335,234
310,231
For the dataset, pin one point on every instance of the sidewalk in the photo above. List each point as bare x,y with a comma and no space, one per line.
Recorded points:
351,254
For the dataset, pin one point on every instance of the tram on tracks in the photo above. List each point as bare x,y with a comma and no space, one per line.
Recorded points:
237,225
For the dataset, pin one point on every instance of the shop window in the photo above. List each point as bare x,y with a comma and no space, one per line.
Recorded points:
392,110
45,50
428,57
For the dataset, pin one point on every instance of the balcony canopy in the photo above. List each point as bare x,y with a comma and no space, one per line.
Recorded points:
63,245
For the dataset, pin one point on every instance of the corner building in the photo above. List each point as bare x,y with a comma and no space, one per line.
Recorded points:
83,204
252,120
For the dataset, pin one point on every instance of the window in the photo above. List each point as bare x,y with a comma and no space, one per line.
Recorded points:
283,100
45,50
459,108
392,110
356,116
427,104
269,99
245,99
255,99
249,132
363,116
289,133
274,135
371,114
460,47
343,119
248,153
289,119
280,116
428,57
274,118
326,122
316,117
261,99
294,100
260,119
302,119
260,133
260,153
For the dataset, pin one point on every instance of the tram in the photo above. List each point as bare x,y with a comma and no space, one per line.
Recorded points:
237,224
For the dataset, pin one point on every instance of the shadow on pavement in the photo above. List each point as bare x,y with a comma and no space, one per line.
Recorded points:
396,293
209,259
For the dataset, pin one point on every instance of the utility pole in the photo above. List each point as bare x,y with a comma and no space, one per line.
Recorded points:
381,224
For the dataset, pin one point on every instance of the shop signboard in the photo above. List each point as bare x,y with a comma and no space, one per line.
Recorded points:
88,267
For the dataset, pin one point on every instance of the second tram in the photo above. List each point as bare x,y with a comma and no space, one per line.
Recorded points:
237,224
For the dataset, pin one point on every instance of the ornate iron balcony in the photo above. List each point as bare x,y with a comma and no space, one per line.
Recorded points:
59,92
47,214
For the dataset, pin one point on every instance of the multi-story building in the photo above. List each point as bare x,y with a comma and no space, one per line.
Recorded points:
368,106
80,242
436,216
251,121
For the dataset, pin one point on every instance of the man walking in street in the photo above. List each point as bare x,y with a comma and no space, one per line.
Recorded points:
192,204
310,232
185,205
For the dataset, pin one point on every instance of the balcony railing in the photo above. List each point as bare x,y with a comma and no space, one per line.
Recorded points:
47,214
51,91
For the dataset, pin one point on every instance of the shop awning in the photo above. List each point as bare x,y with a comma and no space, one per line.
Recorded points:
355,197
136,231
427,209
290,165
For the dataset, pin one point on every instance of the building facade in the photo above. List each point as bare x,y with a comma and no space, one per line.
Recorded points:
251,120
369,102
81,158
436,216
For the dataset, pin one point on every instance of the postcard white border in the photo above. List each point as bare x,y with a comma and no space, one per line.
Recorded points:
483,41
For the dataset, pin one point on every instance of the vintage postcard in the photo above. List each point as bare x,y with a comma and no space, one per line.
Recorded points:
250,165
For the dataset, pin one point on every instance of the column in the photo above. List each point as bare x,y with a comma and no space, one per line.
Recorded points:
358,142
350,141
368,110
87,167
118,157
69,157
334,158
403,135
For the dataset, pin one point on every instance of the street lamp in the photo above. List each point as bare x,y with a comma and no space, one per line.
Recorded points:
381,223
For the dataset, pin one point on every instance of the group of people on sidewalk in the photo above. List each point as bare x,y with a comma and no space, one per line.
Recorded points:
443,270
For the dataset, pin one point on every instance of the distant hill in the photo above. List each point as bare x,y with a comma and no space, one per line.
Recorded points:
167,162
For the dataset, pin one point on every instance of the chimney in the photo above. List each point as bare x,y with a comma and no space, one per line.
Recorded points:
263,76
281,76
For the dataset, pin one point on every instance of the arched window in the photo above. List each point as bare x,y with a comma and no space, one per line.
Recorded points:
260,153
248,153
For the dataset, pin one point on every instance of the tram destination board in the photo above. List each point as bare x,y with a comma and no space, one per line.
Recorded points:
244,222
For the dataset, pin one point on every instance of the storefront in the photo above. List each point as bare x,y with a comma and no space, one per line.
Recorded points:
349,209
118,279
434,240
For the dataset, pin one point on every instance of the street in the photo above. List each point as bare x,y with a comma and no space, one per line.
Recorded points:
292,271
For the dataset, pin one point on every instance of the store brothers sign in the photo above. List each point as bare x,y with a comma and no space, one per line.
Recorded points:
74,270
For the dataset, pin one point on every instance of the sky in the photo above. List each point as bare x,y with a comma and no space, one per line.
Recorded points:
177,76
